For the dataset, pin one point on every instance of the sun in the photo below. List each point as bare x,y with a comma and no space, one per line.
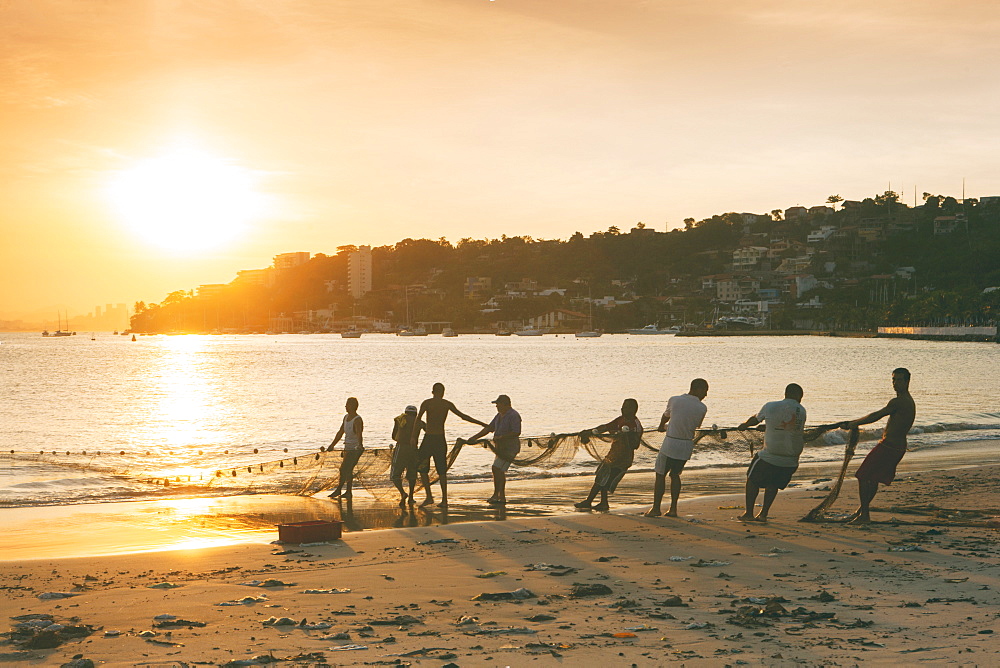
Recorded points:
186,200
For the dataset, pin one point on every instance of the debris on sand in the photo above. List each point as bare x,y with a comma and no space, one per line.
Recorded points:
178,623
581,590
540,618
56,595
510,630
37,631
326,591
516,595
246,600
552,569
279,621
437,541
673,602
266,583
823,597
399,620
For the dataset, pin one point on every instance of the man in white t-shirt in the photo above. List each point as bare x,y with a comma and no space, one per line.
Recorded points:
683,416
772,468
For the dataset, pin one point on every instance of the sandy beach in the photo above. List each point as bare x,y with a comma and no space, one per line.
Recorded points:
918,586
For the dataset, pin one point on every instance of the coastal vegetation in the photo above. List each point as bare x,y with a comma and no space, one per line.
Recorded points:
849,265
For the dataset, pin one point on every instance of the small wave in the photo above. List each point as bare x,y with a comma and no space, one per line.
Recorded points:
941,427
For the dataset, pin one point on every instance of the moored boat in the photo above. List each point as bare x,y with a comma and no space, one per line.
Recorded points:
654,330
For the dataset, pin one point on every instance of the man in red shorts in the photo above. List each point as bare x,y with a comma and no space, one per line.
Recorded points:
880,464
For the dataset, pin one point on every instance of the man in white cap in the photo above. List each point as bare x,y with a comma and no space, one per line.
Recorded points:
405,429
506,428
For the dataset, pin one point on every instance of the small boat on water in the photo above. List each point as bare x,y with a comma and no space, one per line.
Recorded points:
448,332
654,330
590,332
60,332
529,332
419,331
351,334
503,332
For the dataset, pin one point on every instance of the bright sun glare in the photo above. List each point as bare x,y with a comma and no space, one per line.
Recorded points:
186,200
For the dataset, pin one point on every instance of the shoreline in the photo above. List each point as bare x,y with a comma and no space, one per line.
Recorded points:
616,588
144,526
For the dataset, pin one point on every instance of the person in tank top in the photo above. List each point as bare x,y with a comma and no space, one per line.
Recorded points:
350,431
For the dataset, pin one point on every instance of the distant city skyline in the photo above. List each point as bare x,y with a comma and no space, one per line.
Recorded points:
150,147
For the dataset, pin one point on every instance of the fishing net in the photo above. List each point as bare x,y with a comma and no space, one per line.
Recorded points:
818,513
313,472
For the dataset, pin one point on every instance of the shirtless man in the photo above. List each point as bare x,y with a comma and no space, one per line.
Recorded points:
880,464
434,445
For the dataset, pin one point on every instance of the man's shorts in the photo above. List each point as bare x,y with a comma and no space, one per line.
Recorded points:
404,458
880,464
351,458
506,451
763,474
668,465
433,446
608,476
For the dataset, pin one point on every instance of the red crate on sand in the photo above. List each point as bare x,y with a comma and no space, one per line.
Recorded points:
315,531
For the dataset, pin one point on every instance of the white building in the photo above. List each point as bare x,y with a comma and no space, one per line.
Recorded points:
211,290
359,271
822,234
289,260
748,257
255,277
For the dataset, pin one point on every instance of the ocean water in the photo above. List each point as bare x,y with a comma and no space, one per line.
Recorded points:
208,402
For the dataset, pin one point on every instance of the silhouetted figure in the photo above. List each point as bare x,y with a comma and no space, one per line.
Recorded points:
351,431
434,445
628,434
880,464
506,428
404,457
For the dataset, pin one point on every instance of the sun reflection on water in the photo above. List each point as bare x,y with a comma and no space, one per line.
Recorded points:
186,405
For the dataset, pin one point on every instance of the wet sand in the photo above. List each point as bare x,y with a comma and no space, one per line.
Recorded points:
615,588
145,526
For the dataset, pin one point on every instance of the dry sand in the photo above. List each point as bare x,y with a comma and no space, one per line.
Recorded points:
702,589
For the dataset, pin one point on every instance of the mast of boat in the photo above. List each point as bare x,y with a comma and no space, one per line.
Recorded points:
590,302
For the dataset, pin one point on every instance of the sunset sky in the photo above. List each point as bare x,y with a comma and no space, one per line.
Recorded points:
302,125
